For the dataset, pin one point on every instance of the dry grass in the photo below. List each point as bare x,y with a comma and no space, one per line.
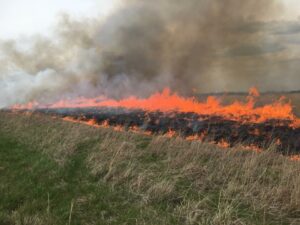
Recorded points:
196,183
261,182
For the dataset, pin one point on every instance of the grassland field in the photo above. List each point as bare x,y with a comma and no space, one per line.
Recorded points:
54,172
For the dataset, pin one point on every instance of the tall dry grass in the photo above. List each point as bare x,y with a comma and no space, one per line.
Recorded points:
197,183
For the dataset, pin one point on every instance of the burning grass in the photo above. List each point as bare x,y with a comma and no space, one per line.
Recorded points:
251,122
190,126
165,180
166,102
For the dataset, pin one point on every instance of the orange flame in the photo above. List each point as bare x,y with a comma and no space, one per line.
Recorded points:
91,122
223,144
105,124
118,128
295,158
168,102
193,138
170,133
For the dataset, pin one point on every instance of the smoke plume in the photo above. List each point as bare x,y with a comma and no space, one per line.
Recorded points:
143,46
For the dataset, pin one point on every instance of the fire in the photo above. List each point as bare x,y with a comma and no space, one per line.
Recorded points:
166,101
193,138
254,92
118,128
105,124
197,137
295,158
170,133
223,144
92,122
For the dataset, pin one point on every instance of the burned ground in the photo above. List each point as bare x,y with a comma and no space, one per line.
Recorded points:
208,128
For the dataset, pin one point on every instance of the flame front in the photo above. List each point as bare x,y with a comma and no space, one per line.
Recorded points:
166,101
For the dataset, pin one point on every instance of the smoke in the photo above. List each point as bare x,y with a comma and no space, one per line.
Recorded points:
142,47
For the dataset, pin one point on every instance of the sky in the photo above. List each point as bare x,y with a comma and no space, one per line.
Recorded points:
292,9
19,17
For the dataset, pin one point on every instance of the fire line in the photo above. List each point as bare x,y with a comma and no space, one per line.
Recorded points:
169,114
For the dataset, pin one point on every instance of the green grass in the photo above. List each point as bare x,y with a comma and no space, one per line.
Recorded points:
35,190
54,172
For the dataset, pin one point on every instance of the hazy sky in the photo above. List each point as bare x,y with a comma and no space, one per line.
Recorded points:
28,17
292,9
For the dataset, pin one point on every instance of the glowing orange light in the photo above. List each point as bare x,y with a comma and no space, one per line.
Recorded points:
223,144
170,133
169,102
295,158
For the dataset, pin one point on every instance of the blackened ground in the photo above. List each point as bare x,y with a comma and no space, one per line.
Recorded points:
213,128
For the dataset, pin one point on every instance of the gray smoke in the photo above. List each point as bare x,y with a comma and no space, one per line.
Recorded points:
144,46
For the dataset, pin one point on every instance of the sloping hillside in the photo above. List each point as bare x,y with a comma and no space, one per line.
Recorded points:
56,172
